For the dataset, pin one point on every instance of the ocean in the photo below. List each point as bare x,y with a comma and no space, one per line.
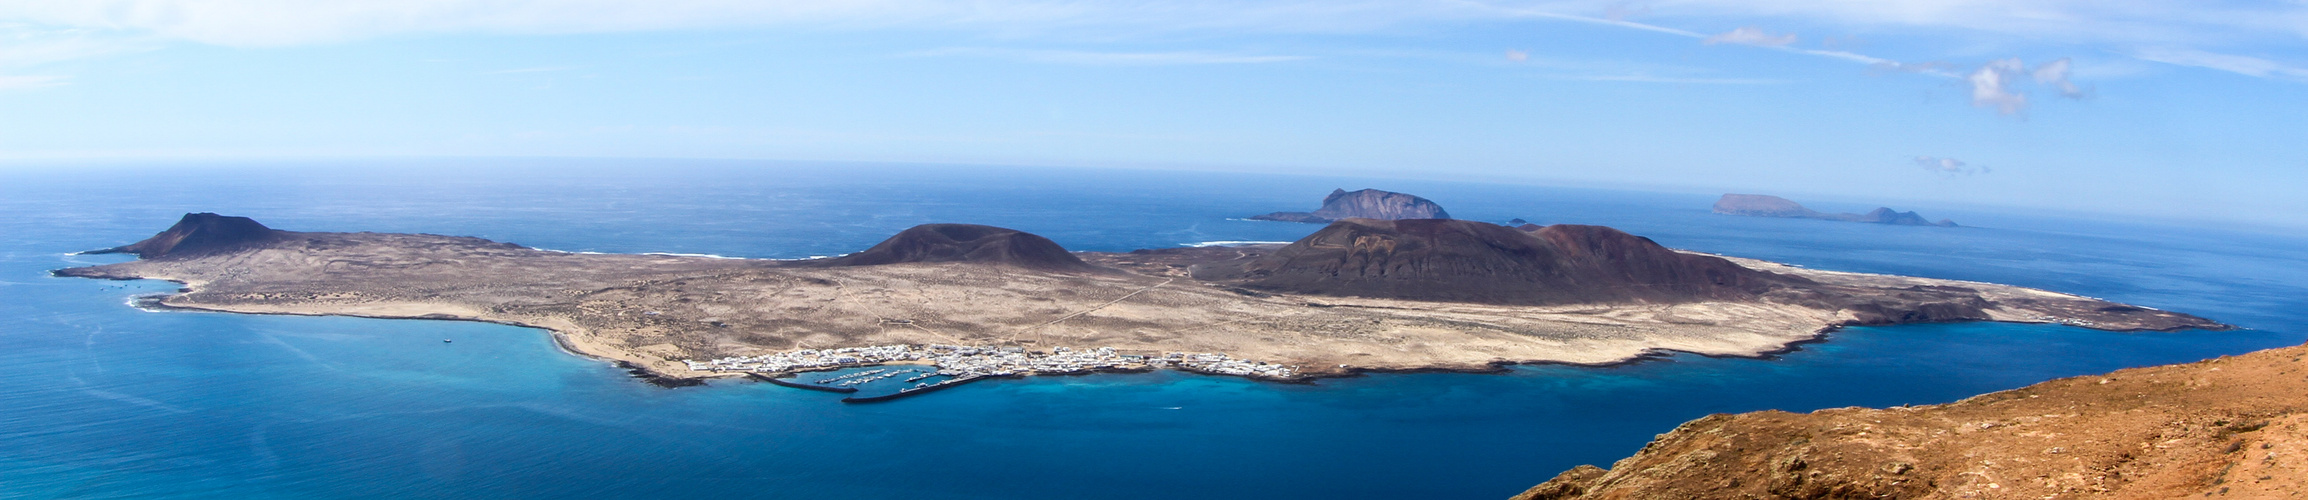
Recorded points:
102,400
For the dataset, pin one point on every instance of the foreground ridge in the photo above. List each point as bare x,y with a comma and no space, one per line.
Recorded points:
2232,427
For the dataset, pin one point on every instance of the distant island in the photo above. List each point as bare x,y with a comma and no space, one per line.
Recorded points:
2232,427
1364,204
979,301
1762,205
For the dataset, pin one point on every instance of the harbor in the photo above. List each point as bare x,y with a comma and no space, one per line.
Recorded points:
958,364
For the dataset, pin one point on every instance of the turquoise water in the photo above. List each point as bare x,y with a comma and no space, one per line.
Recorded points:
99,400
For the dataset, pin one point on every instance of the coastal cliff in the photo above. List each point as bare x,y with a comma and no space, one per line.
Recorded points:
2232,427
1364,204
1758,205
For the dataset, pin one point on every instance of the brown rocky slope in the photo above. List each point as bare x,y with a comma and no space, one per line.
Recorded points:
201,233
2232,427
1468,261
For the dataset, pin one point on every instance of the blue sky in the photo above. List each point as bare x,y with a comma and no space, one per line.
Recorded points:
2189,110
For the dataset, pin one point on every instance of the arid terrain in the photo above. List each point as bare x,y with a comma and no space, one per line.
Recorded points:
976,285
2232,427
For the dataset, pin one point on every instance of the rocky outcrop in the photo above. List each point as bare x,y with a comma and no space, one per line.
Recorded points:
965,243
201,234
1364,204
1885,215
2233,427
1761,205
1758,205
1468,261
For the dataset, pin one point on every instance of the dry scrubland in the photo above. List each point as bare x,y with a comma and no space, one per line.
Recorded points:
654,310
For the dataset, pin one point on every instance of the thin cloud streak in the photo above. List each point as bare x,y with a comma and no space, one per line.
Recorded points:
1704,38
545,69
293,22
1670,79
1092,58
21,82
2242,65
1750,35
1949,166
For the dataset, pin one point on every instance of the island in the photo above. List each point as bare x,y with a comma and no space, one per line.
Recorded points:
1762,205
2231,427
1364,204
973,301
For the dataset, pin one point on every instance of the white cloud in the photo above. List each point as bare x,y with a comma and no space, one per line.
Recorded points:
2242,65
1750,35
1091,58
2055,74
1518,56
1949,166
1996,84
1991,86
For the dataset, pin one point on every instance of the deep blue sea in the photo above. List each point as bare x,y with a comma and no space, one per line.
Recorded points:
101,400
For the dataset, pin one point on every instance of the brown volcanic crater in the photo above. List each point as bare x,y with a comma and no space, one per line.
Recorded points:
200,234
1468,261
965,243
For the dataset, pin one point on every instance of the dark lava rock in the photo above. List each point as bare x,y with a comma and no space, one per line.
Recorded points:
1467,261
199,234
1364,204
966,243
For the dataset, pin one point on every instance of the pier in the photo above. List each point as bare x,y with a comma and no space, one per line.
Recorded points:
798,385
915,391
